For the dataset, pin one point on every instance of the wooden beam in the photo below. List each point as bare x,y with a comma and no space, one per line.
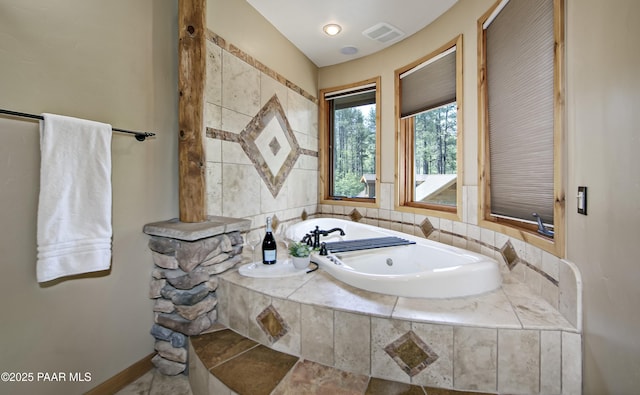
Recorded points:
192,52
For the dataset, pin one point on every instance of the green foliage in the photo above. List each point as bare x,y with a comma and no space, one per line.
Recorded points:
348,185
436,133
354,148
299,249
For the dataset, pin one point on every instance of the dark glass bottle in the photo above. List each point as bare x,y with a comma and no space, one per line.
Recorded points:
269,246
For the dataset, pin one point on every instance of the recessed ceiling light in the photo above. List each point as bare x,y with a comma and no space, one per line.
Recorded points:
349,50
332,29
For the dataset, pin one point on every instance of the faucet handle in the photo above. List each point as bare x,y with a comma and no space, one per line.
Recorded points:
323,249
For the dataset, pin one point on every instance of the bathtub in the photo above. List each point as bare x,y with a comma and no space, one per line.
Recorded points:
426,269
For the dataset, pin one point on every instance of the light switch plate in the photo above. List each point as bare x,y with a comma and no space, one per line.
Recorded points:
582,200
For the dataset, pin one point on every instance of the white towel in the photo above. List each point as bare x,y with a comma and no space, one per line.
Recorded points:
74,208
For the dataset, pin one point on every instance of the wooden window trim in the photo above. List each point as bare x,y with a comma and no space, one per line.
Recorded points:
404,145
324,150
513,228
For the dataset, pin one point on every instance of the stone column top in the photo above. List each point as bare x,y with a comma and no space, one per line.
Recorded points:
213,226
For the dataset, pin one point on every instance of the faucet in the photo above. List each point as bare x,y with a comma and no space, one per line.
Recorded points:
543,230
327,232
316,233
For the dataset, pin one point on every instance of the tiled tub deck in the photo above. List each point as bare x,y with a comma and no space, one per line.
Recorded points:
508,341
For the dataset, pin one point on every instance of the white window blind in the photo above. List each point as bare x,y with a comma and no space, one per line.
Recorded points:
520,76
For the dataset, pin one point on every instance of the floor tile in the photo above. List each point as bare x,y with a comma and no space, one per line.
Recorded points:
308,377
174,385
443,391
255,372
386,387
139,387
216,347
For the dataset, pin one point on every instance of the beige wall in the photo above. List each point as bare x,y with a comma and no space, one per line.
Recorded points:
240,24
603,103
603,97
110,61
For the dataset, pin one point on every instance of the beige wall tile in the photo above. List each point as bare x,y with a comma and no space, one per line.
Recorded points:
550,362
213,84
241,190
518,361
316,334
256,304
270,87
383,332
222,294
214,188
568,303
238,302
212,117
352,342
198,374
240,85
475,359
234,121
571,363
291,314
440,339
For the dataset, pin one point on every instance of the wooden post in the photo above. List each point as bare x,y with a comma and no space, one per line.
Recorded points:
192,52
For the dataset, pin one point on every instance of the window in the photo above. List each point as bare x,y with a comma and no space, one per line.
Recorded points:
521,44
349,144
430,131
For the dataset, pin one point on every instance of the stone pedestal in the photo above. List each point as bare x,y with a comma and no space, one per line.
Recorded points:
187,258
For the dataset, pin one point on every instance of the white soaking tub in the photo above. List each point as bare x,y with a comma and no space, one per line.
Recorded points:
425,269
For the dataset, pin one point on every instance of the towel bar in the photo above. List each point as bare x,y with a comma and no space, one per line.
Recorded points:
140,136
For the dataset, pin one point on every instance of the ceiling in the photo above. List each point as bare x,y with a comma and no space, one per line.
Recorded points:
301,22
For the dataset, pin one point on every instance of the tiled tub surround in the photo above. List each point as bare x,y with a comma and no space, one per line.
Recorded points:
558,282
187,260
505,341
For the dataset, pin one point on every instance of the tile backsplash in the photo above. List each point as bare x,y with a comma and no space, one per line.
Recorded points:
261,139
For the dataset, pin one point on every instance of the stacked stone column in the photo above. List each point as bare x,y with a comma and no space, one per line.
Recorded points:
184,281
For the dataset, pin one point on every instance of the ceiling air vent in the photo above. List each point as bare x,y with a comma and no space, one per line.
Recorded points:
383,32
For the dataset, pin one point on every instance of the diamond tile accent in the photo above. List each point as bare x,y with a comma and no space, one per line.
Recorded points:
304,215
355,215
426,227
271,145
272,324
509,254
411,353
275,146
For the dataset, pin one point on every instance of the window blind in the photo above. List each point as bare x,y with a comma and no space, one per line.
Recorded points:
353,100
520,75
429,85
